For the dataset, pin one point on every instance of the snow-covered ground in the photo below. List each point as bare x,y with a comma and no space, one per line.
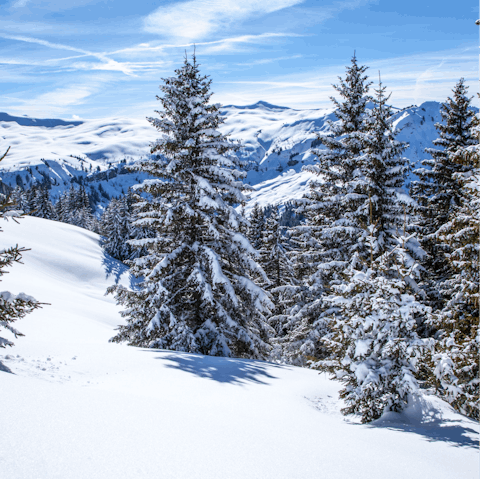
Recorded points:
77,406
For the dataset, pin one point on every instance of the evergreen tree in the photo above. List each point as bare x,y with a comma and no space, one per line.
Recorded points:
372,344
273,253
438,190
372,341
65,206
114,229
279,269
12,307
119,231
455,349
197,292
327,238
60,208
43,207
19,199
81,211
256,226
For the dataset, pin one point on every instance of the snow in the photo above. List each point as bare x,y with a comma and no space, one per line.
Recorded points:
276,140
78,406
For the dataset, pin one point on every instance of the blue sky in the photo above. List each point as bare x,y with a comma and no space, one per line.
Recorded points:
92,59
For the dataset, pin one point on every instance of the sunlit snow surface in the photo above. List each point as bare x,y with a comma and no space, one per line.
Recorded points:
77,406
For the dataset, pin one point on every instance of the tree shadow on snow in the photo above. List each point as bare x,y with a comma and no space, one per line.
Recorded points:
4,368
424,419
223,370
114,269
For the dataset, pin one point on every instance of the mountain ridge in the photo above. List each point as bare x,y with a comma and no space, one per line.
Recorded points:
275,140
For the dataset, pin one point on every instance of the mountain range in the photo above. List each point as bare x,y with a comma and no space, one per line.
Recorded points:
277,142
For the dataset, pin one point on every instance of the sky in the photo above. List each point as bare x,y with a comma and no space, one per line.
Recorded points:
94,59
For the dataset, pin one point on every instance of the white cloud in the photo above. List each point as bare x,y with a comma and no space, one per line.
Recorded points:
55,102
106,62
411,79
19,3
62,97
196,19
216,46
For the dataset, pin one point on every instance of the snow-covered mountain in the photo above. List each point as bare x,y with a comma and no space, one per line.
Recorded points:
77,406
277,143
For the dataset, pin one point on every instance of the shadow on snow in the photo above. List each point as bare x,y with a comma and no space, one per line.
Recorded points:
114,269
424,419
223,370
5,368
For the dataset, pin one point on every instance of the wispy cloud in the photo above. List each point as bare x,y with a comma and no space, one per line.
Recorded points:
196,19
57,101
106,62
411,79
264,61
216,46
19,3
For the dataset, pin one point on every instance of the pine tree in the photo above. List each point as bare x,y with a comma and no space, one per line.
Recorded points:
81,210
19,199
116,225
456,347
438,190
115,231
372,341
43,207
256,226
65,206
327,238
12,307
197,292
275,261
372,344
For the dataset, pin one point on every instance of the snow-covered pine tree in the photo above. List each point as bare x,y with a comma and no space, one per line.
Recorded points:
114,229
438,190
196,294
333,204
19,199
372,338
456,348
273,253
327,237
377,191
256,226
81,212
43,207
117,228
372,343
65,205
275,261
31,195
12,307
381,302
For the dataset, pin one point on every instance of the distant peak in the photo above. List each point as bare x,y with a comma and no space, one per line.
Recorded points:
259,104
28,121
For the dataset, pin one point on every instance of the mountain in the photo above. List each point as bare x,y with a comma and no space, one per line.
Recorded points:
77,406
277,143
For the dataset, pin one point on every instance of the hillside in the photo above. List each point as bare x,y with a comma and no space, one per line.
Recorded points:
77,406
277,143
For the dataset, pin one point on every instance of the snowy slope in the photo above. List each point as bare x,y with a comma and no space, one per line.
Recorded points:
276,140
80,407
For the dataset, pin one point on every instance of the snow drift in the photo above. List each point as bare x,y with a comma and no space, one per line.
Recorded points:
77,406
